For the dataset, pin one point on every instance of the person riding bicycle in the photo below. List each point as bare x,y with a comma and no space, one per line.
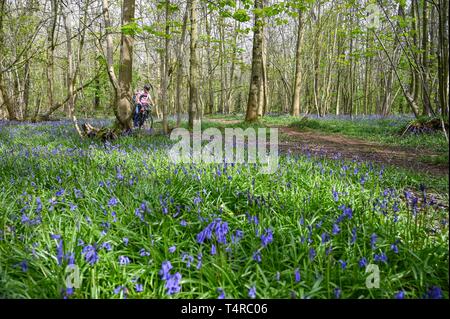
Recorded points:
142,101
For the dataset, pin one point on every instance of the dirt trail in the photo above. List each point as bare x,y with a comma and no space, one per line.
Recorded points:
335,145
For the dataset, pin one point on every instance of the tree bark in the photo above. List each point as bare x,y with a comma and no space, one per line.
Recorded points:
296,107
257,67
193,67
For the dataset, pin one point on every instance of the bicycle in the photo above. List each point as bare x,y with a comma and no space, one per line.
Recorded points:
144,114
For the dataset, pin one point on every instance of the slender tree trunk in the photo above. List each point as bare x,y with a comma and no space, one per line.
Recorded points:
180,68
257,68
193,67
425,89
165,69
296,107
124,103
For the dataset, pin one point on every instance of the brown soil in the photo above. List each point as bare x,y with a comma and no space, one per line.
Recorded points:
335,145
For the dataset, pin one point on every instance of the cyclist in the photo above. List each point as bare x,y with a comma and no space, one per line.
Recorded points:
142,101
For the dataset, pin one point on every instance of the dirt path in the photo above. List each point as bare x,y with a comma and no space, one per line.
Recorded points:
338,146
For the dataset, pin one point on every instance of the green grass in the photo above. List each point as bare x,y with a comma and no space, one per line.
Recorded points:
155,197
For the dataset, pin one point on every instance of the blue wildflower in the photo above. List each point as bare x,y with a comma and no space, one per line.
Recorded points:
335,196
107,246
143,252
363,262
337,293
312,253
59,252
24,265
172,249
252,292
173,284
113,201
257,256
90,254
336,229
165,270
353,235
267,237
125,241
434,293
343,264
199,260
394,248
373,240
124,260
297,275
139,288
221,293
400,295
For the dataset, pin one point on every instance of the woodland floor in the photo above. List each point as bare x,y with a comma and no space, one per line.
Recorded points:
332,145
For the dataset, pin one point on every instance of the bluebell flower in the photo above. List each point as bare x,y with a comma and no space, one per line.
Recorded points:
56,236
373,241
237,236
353,240
257,256
90,254
118,289
143,252
106,246
336,229
124,260
363,262
70,258
434,293
165,270
312,253
267,237
400,295
337,293
213,249
199,260
173,284
343,264
138,287
221,293
59,252
183,223
172,249
252,292
380,258
125,241
297,275
24,265
394,248
325,238
113,201
335,195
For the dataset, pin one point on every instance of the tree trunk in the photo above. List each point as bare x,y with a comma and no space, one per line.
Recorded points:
180,67
296,108
425,89
165,69
124,103
193,67
257,67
